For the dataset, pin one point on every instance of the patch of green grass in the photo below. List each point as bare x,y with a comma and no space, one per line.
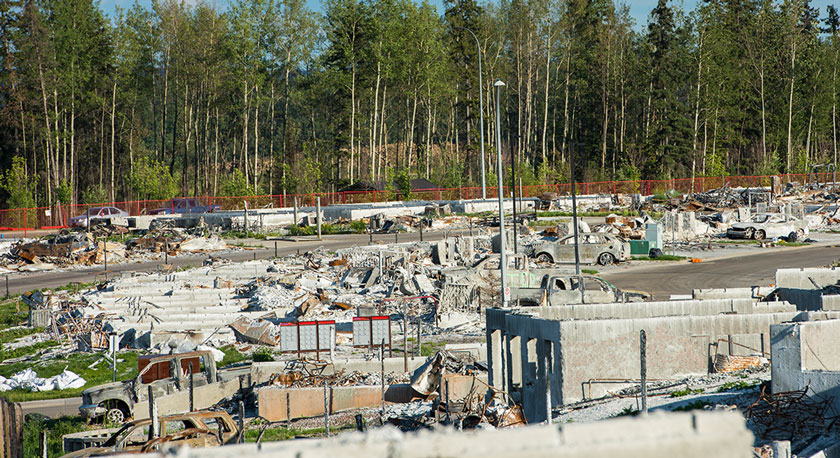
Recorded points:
354,227
430,348
694,405
26,350
627,412
283,434
232,356
664,257
55,429
9,316
686,392
75,362
737,386
263,355
589,271
11,335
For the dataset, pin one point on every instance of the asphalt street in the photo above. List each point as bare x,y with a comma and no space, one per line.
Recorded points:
727,272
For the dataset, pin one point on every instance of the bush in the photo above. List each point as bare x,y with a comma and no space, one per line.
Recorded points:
236,185
95,194
150,179
263,355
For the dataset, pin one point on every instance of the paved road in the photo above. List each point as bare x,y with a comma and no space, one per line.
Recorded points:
53,408
727,272
21,283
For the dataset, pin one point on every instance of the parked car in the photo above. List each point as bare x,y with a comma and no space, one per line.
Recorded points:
96,215
194,429
574,289
183,206
166,374
594,248
769,225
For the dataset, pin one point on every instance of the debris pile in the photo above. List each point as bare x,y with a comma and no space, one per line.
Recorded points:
790,415
27,379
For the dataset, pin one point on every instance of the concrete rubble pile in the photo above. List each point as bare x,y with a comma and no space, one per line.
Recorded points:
78,249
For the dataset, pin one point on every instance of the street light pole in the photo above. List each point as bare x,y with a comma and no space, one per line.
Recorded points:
481,111
574,209
502,258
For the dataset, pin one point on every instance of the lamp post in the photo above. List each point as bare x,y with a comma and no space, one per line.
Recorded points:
502,260
574,209
481,111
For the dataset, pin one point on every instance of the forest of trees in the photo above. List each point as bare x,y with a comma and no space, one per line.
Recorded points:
267,96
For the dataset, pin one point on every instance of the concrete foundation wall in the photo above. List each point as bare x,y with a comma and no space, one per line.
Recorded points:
802,356
205,396
660,309
685,435
799,278
586,359
262,372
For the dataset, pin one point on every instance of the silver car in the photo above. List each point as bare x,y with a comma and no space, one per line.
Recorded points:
769,225
96,215
595,247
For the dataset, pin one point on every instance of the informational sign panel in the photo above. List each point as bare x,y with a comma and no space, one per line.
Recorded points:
307,336
371,331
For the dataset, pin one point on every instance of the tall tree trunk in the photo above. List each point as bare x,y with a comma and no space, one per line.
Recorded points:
790,105
113,191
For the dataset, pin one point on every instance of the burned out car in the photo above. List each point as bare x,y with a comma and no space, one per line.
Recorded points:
574,289
769,225
193,429
165,374
595,247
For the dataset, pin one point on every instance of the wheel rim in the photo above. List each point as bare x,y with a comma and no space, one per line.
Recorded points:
759,235
605,259
544,258
800,233
115,416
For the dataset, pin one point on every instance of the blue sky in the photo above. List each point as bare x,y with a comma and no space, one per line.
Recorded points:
640,9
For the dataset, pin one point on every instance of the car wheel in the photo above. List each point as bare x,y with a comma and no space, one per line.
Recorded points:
792,237
759,235
800,234
749,233
545,258
114,415
606,259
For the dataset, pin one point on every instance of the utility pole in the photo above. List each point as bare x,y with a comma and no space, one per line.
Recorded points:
481,111
502,259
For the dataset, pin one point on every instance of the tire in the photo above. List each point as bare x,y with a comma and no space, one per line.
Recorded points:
759,235
792,237
545,257
115,414
606,259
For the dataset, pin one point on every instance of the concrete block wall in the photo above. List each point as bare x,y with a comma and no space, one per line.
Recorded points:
805,354
799,278
262,372
660,435
660,308
576,358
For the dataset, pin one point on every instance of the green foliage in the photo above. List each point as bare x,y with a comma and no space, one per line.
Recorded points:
693,405
95,194
262,355
21,189
686,392
56,428
77,362
232,356
737,386
64,192
628,412
664,257
282,434
151,179
402,179
716,165
589,271
236,185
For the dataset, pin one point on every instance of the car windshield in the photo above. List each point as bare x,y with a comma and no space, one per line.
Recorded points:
132,432
760,218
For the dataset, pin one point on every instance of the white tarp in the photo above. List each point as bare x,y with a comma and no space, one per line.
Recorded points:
27,379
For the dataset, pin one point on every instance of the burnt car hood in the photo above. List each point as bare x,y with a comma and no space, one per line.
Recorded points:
106,387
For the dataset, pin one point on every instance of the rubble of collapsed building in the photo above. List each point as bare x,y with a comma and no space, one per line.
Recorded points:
78,248
352,330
